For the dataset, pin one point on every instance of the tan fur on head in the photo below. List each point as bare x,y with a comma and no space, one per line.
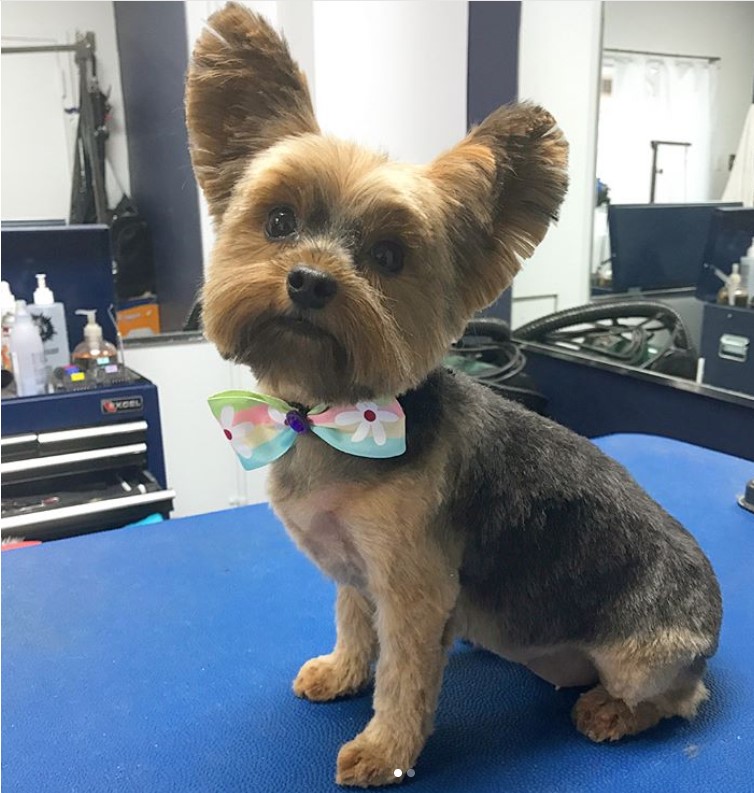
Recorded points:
504,184
464,223
244,92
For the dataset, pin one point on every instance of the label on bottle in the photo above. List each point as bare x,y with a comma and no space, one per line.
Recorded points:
50,322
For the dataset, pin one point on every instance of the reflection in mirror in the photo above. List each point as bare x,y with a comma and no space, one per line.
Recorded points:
673,218
656,113
676,85
671,281
93,132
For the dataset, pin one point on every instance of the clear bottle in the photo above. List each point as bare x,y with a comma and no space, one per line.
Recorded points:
734,292
737,294
8,310
747,270
94,352
27,353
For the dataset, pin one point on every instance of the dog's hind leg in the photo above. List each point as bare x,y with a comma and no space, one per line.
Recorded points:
640,685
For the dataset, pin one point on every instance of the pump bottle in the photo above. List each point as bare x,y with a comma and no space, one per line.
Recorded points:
49,317
94,351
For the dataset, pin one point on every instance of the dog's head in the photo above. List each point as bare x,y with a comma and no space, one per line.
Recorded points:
337,274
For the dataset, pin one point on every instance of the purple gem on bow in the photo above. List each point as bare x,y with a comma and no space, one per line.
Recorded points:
296,421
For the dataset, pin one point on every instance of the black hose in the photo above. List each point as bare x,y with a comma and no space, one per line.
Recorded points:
592,312
493,327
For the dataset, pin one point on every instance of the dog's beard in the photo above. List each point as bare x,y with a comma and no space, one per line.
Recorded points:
295,358
300,360
351,350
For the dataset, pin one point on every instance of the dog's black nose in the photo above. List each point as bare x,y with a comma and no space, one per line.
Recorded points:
309,288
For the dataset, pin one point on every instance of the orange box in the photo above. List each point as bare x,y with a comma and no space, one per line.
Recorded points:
142,320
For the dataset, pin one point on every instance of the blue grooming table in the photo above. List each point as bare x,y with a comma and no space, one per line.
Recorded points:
160,658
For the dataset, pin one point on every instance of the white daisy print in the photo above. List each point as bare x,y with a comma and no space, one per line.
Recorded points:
370,420
236,433
276,415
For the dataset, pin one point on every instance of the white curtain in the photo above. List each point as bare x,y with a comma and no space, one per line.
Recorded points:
646,98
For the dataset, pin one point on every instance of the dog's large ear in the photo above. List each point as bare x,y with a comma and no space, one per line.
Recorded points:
502,186
244,93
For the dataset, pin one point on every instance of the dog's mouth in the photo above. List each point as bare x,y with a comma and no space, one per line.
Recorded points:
267,339
297,324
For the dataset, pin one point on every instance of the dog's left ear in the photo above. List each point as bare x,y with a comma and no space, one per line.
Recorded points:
501,186
244,93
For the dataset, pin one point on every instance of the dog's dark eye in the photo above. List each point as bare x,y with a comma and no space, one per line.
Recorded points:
281,222
388,255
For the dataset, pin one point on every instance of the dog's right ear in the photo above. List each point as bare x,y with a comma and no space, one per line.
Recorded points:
244,93
503,185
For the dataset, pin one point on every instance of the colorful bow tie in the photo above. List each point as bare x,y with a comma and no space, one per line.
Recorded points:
261,428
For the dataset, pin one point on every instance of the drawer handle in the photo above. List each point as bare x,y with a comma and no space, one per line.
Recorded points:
81,434
16,440
733,348
41,463
80,510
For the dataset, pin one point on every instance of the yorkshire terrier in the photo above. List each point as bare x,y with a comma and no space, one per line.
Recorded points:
339,276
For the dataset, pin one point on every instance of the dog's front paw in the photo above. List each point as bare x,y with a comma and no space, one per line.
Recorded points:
364,762
329,676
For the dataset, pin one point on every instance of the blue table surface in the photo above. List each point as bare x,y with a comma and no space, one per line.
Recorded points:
160,658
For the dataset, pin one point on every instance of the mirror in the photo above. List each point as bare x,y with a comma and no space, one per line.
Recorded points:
676,85
93,132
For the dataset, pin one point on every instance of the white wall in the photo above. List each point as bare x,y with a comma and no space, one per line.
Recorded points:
390,75
36,134
34,186
716,29
201,467
559,57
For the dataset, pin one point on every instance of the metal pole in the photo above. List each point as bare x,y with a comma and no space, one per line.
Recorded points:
39,48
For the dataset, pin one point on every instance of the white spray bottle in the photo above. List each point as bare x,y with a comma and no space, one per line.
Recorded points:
29,367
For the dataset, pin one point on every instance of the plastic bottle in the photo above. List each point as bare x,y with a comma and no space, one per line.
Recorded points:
733,293
737,294
7,300
7,310
49,317
29,367
94,351
734,284
747,270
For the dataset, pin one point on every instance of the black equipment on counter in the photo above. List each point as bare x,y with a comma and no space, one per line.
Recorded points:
640,333
487,353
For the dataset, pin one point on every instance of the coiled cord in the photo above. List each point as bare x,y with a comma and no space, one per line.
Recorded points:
621,340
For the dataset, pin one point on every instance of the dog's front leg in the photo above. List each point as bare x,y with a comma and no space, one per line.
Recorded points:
347,668
413,607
